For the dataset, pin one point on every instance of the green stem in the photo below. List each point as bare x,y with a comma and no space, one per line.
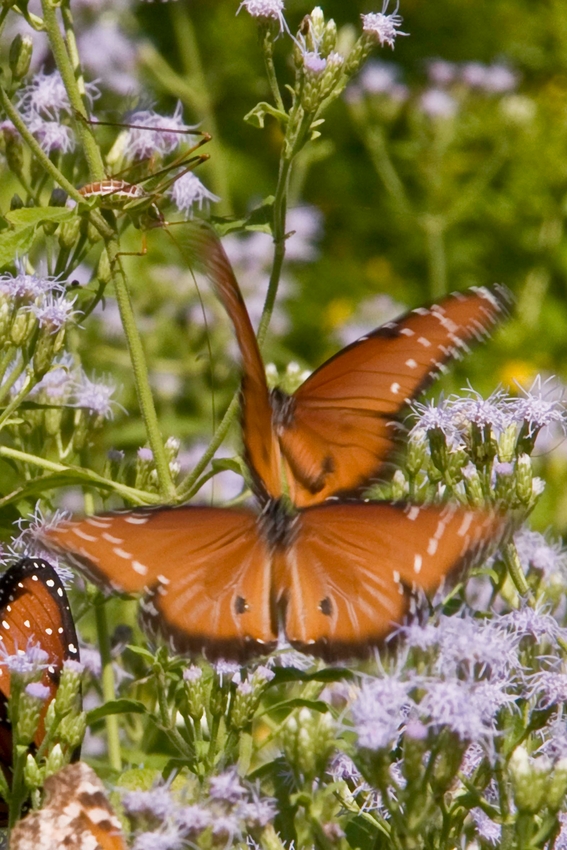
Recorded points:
65,67
514,567
5,360
18,398
434,230
168,723
268,46
138,497
18,789
141,376
3,15
108,689
72,47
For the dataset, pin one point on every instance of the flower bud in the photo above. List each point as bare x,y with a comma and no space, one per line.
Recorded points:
524,478
507,443
20,56
69,690
69,232
194,692
400,487
72,728
438,448
329,40
29,711
557,787
308,740
416,452
48,345
23,327
33,774
14,150
529,780
55,760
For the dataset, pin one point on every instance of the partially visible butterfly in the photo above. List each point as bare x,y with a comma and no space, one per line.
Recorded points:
34,611
339,427
76,815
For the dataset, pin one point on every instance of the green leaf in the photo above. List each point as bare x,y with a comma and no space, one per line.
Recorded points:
259,220
328,674
297,702
15,244
257,116
117,706
27,216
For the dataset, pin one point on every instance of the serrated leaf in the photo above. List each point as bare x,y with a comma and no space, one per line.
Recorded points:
117,706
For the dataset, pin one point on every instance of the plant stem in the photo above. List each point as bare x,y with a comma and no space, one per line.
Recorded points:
68,75
138,497
434,229
108,689
141,376
268,46
512,561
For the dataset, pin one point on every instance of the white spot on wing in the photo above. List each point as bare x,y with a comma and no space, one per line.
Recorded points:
417,564
465,525
411,364
83,535
395,388
139,568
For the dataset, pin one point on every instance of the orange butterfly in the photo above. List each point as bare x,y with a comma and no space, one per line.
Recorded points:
76,815
333,577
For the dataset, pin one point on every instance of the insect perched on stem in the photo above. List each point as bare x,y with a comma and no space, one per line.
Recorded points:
138,197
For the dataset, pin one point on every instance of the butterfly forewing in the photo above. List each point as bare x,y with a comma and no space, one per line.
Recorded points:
342,425
206,572
76,816
345,577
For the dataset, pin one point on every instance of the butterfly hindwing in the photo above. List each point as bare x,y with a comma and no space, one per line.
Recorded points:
205,572
76,815
346,575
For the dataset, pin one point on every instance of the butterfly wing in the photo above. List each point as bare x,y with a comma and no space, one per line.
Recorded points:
340,425
76,815
261,448
343,579
205,572
34,610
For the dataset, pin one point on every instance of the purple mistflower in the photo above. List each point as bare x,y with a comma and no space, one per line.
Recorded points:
440,72
314,63
538,624
27,287
480,411
192,820
550,688
385,28
52,135
230,669
226,787
90,657
382,78
269,10
485,827
96,397
420,637
108,54
499,79
475,647
72,666
227,827
471,760
473,74
30,542
38,691
436,103
342,767
145,455
436,417
24,661
160,134
54,312
46,96
56,384
538,407
262,675
555,740
188,191
166,839
380,710
452,704
258,812
536,552
561,840
156,803
192,674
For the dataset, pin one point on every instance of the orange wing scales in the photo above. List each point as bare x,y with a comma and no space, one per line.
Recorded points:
76,815
221,581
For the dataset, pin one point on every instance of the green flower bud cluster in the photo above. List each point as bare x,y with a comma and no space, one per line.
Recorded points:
537,783
308,741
